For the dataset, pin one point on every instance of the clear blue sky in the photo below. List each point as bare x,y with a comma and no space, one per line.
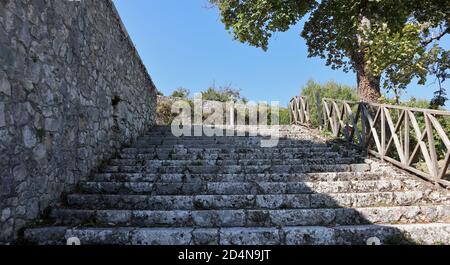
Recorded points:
184,44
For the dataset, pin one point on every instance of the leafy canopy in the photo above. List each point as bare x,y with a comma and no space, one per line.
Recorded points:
396,39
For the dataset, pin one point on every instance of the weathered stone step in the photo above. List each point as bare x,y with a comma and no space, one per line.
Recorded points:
230,162
219,202
303,149
247,218
265,135
223,156
236,169
289,128
226,145
231,150
235,131
159,139
259,135
435,233
268,177
239,188
220,141
283,128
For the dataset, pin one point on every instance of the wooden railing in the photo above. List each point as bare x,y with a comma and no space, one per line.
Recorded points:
299,111
413,139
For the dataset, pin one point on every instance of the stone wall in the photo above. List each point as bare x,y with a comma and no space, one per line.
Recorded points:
73,90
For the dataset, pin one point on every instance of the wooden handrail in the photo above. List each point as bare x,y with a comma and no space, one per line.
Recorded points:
396,134
431,111
299,111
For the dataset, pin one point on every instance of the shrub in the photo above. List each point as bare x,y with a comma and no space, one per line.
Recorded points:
283,117
223,94
164,114
180,93
329,90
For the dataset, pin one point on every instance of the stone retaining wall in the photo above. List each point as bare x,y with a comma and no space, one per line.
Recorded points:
73,90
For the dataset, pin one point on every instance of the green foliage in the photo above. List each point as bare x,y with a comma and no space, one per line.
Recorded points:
421,104
335,148
389,38
180,93
331,33
412,102
222,94
283,117
329,90
440,63
254,21
164,115
399,55
40,132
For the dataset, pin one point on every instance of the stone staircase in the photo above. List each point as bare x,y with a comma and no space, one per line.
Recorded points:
230,190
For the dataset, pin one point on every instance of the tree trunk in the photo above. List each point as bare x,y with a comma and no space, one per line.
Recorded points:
368,85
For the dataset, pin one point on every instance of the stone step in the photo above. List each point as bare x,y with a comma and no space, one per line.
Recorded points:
223,141
239,188
435,233
159,139
234,131
253,134
235,135
227,145
230,162
281,128
268,177
223,202
248,218
239,156
216,138
236,169
166,153
232,150
289,128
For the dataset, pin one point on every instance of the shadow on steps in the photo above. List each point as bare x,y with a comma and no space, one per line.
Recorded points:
231,191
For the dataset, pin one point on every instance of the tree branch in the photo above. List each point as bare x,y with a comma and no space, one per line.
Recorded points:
435,38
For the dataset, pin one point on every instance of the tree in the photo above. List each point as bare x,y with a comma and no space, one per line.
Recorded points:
374,38
222,94
180,93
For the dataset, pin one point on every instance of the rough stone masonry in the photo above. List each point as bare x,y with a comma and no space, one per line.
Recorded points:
72,91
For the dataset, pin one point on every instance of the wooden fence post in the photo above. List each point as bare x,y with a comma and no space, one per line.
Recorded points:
383,132
319,110
406,141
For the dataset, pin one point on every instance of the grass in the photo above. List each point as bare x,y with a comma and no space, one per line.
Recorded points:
199,205
327,134
40,132
335,148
